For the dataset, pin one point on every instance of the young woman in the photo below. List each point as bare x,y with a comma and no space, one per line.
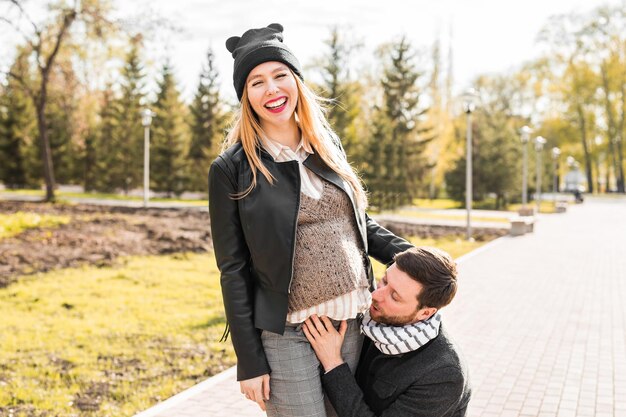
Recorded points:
289,229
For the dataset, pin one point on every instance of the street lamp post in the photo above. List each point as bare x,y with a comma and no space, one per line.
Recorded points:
525,137
539,142
555,185
146,121
469,105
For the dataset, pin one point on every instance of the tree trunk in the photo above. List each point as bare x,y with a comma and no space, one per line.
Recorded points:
620,167
620,136
598,177
44,141
613,135
583,135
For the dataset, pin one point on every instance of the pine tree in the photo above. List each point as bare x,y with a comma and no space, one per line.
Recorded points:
170,138
19,153
90,161
344,93
100,146
400,130
60,116
208,121
12,170
374,167
123,164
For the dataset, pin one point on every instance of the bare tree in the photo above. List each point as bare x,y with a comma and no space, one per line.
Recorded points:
45,40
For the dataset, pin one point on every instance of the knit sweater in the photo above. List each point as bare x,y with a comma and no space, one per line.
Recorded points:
328,260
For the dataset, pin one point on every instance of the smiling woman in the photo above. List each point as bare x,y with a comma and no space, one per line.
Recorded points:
289,229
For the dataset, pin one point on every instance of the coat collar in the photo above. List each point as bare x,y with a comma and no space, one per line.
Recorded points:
316,164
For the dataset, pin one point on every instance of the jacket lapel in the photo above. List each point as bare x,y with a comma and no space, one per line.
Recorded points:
317,165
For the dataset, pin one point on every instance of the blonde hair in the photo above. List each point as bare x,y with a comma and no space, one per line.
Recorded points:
315,131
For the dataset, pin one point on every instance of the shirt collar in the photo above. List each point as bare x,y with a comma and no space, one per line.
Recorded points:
275,149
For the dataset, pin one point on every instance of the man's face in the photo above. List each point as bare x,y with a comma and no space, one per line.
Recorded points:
395,300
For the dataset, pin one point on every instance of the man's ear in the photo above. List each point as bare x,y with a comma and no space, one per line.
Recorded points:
426,313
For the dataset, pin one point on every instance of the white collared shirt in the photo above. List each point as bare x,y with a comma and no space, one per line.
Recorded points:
311,184
346,306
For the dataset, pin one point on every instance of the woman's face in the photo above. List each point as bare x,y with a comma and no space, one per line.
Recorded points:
272,93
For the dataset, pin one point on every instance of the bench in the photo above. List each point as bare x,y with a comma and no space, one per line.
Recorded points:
521,225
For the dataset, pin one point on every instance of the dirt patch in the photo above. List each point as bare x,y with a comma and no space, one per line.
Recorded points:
91,397
97,235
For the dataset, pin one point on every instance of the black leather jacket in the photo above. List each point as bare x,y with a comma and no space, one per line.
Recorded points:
254,242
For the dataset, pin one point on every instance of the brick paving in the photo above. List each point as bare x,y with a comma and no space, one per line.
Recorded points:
540,318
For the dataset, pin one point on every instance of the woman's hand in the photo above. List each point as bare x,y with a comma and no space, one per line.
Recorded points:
257,389
325,340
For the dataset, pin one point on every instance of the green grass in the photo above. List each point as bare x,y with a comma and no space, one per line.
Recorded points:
104,196
439,203
23,192
137,334
15,223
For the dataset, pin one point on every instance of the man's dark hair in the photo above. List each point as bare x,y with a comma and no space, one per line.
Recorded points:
434,269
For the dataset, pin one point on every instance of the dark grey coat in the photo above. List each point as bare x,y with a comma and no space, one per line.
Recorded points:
429,382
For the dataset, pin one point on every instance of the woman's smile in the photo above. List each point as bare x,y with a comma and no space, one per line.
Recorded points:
277,105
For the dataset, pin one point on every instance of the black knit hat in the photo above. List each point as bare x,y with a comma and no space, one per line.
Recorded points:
255,47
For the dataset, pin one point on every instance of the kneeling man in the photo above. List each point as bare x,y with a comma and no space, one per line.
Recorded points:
408,366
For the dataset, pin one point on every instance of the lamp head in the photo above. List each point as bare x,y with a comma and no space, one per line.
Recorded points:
470,97
146,117
525,134
539,142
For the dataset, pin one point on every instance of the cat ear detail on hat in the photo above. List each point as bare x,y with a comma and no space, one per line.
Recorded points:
232,42
276,26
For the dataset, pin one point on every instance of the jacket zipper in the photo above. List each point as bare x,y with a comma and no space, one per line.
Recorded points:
295,229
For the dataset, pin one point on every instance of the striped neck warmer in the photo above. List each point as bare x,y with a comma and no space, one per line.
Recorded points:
394,340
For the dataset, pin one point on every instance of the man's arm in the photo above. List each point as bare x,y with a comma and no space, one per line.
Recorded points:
426,399
382,244
434,397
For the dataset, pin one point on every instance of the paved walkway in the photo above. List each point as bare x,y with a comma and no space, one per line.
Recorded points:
540,317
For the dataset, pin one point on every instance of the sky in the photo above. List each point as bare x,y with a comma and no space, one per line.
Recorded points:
487,36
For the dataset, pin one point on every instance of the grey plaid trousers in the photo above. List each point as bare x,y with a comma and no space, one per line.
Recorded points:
295,385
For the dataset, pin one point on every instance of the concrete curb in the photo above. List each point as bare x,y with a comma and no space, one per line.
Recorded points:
482,249
188,393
